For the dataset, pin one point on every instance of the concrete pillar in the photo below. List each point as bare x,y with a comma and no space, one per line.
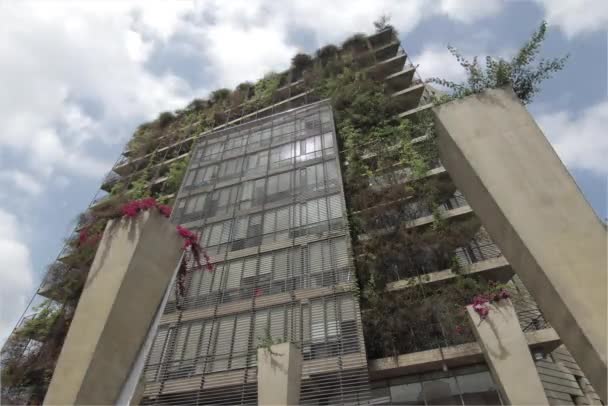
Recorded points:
135,261
279,374
506,352
532,208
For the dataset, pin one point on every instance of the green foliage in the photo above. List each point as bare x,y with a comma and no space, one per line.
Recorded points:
164,119
41,324
382,23
220,96
175,176
197,104
264,90
139,188
328,52
301,61
520,72
267,341
355,43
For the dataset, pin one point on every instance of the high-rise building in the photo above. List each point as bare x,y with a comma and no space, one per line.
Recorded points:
340,233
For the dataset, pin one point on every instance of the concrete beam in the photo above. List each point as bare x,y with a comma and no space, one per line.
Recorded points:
452,356
279,374
506,352
132,269
532,208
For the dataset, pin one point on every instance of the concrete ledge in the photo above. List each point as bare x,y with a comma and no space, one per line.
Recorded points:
279,374
534,211
453,356
495,269
132,269
506,352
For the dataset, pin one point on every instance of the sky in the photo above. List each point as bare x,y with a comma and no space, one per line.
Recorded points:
78,77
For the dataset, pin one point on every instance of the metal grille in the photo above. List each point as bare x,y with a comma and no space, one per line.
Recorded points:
268,202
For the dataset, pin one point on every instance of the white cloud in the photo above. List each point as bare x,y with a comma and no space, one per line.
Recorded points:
580,141
436,61
471,10
16,278
23,181
576,17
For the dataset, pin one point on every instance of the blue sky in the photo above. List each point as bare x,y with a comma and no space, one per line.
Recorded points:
78,77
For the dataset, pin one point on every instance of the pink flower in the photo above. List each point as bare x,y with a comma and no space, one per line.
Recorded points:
504,294
459,330
480,305
164,210
147,203
185,233
83,235
130,209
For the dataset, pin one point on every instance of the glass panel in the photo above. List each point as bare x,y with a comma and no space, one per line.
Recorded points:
223,343
407,394
341,254
281,264
277,323
193,339
241,341
478,389
261,326
194,283
233,280
442,392
180,341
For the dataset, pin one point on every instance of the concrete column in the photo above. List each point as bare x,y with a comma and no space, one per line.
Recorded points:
279,374
506,352
129,276
532,208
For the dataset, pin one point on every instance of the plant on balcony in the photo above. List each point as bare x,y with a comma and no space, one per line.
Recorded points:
220,96
519,72
382,23
327,53
264,90
164,119
356,43
175,176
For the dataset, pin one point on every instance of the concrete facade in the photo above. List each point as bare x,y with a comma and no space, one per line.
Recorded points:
279,374
506,352
129,276
494,151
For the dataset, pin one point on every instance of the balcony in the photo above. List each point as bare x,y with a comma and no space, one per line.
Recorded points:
402,79
381,38
110,180
410,98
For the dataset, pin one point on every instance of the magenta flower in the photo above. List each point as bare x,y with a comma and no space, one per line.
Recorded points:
131,209
147,203
164,210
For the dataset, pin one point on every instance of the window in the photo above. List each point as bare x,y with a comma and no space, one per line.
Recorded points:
478,389
217,233
223,343
221,201
279,186
231,168
258,139
407,393
256,162
212,151
282,155
201,176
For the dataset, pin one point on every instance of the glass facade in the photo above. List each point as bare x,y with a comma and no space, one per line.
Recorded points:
472,385
267,200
